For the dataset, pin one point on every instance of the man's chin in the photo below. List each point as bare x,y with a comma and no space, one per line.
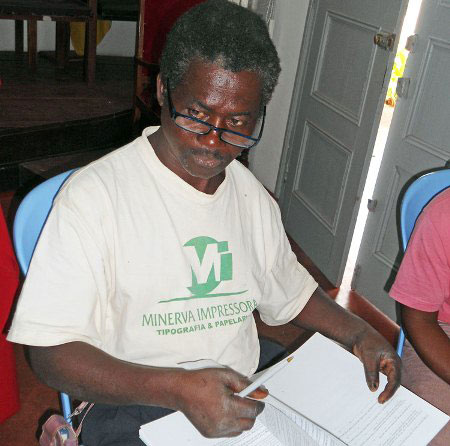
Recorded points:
205,174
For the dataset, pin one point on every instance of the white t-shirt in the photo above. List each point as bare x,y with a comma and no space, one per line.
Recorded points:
135,261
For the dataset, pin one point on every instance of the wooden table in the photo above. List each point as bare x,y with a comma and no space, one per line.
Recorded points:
62,12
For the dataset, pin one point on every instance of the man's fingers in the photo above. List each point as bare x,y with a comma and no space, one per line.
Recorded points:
377,355
248,408
238,383
392,369
235,381
255,409
246,411
260,393
241,425
371,368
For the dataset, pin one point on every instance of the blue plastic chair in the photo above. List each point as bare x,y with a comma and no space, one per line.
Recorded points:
28,223
416,197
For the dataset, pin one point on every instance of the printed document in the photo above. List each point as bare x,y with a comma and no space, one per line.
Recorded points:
321,399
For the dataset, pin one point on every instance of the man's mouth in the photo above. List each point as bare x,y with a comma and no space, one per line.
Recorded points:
207,159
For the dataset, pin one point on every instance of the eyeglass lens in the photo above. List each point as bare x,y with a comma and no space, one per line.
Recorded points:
232,138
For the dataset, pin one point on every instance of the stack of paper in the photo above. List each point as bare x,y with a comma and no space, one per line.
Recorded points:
319,399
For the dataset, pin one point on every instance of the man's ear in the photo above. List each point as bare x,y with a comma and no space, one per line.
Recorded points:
159,90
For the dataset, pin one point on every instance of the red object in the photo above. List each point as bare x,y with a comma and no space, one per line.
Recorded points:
158,20
9,281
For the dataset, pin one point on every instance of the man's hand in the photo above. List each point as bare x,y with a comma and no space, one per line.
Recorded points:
209,401
324,315
377,355
206,396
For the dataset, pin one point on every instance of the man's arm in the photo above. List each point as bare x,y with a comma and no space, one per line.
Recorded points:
207,397
428,339
324,315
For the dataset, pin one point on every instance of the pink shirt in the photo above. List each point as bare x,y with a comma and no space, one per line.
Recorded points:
423,280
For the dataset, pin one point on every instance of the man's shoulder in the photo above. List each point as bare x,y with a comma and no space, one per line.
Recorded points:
118,157
252,193
109,164
90,182
245,178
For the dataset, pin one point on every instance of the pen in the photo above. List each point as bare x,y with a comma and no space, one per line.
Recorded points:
265,376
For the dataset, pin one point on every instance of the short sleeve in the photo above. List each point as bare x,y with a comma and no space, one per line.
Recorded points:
288,284
64,297
422,281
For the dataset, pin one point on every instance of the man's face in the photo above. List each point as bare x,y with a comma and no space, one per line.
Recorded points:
222,98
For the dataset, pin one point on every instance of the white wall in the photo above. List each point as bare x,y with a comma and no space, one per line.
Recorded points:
119,41
290,17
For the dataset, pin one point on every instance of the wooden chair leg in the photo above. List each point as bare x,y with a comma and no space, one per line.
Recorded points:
62,43
66,48
18,28
32,42
90,48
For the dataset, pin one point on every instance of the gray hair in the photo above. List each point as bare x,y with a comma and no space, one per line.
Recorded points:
223,33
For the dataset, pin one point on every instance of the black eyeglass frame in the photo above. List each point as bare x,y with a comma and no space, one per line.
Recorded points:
174,114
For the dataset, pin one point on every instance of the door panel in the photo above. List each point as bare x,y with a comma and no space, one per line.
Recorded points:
339,106
418,140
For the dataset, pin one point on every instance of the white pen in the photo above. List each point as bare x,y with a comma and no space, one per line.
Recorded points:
265,376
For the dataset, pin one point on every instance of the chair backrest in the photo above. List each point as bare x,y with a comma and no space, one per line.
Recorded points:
31,217
417,196
28,223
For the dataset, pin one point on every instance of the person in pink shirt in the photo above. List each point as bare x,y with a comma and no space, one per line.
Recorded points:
422,287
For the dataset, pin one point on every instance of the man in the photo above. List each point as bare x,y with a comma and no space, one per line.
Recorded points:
157,254
422,289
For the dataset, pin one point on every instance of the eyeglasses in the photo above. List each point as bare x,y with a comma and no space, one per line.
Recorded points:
195,125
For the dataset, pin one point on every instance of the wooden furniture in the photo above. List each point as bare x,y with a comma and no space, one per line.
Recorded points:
111,10
123,10
62,12
31,173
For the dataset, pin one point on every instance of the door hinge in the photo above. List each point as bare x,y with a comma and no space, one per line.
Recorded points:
402,87
372,204
385,40
411,42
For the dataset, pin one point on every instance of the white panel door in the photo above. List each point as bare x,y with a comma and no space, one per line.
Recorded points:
333,124
418,140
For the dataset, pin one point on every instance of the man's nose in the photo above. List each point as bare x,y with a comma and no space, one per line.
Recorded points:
212,138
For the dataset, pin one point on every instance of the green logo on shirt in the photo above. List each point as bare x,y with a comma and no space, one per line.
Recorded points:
211,264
